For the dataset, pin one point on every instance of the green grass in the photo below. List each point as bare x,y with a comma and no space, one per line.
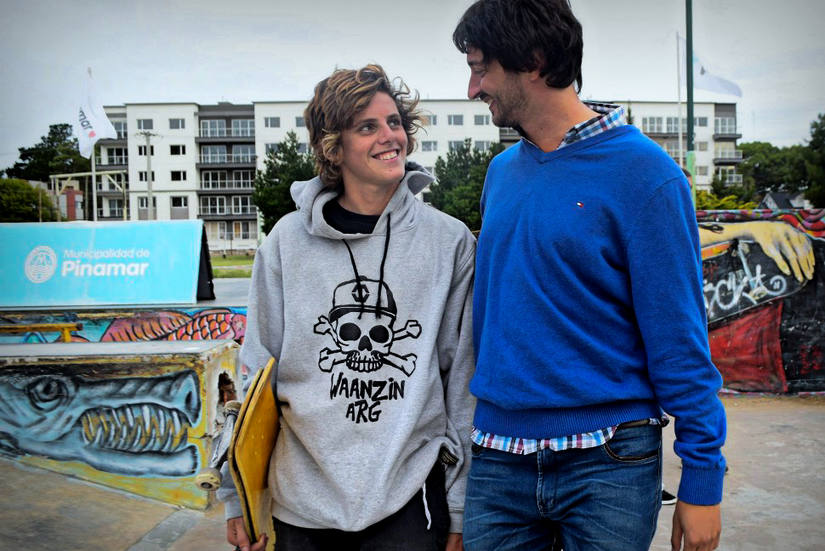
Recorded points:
235,260
231,272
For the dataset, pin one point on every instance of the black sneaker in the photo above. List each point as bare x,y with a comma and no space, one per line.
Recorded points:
668,498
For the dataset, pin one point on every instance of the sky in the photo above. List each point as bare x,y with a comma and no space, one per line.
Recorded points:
205,51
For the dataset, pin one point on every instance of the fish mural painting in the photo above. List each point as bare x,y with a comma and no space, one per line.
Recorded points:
138,416
136,325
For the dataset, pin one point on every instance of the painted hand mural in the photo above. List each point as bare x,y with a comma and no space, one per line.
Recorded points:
764,287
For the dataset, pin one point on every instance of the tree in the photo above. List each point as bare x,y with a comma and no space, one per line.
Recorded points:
457,191
19,202
283,166
57,153
706,200
814,159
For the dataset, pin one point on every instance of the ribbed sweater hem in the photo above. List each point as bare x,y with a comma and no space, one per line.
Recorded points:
554,422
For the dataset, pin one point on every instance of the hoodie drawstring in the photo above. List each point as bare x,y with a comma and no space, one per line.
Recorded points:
361,299
426,507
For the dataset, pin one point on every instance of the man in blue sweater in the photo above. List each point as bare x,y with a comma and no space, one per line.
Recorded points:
589,319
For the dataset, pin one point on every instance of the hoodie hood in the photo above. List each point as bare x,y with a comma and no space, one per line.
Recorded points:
310,196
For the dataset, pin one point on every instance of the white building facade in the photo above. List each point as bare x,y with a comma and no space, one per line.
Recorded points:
200,160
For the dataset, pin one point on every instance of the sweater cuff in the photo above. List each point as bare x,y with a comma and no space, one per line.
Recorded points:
702,486
232,508
457,522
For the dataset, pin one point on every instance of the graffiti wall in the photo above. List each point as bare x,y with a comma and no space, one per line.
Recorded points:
133,325
135,416
764,285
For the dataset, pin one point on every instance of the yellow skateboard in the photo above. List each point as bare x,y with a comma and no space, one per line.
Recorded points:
253,441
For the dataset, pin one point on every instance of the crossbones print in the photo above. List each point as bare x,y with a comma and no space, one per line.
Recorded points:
362,330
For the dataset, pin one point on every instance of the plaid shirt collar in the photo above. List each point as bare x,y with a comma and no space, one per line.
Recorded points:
610,116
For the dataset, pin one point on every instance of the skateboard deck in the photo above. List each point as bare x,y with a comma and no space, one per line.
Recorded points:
253,441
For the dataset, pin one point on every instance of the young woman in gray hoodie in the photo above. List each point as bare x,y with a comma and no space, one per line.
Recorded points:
363,296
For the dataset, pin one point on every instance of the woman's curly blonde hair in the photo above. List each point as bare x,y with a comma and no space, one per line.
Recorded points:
338,99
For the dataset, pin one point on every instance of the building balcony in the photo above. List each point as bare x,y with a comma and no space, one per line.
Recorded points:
222,187
226,135
727,157
112,161
226,213
730,177
227,160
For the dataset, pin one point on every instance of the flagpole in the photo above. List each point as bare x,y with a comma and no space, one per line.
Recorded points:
689,72
94,187
679,99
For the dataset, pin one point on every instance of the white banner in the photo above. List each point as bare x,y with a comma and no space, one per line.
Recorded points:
702,78
92,122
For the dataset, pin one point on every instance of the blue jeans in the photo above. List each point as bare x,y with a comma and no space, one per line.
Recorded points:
601,499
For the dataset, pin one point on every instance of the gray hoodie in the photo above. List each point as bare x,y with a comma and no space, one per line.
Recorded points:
374,346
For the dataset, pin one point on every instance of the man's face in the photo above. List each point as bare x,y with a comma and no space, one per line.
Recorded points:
501,90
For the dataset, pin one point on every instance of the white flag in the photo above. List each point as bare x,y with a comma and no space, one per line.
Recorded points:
702,78
92,122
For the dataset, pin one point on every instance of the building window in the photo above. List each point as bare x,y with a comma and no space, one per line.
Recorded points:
271,148
180,201
213,154
177,150
481,120
142,150
213,205
116,156
243,179
673,125
243,127
144,124
725,125
455,145
701,146
652,125
120,128
116,208
700,121
243,153
429,145
242,204
143,202
142,176
429,120
214,128
272,122
244,230
482,145
299,122
178,175
455,120
701,171
213,179
302,147
177,124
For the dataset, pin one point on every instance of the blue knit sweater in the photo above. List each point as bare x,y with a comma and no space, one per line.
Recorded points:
588,307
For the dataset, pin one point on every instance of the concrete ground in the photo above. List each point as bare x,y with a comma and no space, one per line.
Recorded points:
774,494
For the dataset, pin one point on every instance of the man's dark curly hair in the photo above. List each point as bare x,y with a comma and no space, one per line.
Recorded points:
525,35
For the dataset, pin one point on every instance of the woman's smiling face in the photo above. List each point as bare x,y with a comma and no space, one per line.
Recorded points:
374,148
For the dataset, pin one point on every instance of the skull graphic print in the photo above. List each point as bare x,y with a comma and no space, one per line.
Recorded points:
361,324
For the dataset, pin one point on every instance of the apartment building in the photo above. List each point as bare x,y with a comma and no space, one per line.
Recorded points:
199,161
715,134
